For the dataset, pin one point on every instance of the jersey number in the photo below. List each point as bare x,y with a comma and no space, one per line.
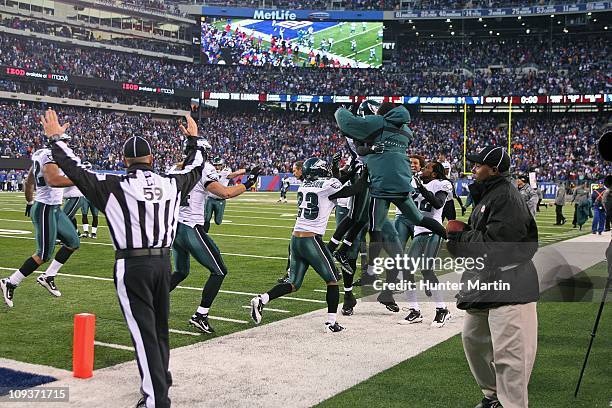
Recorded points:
151,193
311,212
424,205
40,180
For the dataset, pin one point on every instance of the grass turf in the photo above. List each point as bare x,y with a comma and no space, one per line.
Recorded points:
254,238
562,341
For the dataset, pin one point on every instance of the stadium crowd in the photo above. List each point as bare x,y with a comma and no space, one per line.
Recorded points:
583,76
387,4
556,148
80,33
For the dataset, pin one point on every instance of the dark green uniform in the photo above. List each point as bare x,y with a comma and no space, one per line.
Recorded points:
310,251
194,241
72,205
51,223
214,206
88,206
404,229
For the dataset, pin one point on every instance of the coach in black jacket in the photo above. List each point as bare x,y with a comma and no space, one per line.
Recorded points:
500,329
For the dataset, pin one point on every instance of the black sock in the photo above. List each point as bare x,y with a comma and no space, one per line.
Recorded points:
175,279
28,267
209,293
206,226
63,254
94,224
280,290
344,248
347,279
332,297
332,246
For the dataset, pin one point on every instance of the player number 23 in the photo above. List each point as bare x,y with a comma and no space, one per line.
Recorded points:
311,212
151,193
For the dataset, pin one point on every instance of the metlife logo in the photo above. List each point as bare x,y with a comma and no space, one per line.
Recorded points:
274,15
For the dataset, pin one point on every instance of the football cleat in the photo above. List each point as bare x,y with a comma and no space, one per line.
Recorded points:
333,328
349,303
442,316
256,309
489,403
284,279
93,235
142,403
84,235
386,298
48,282
7,291
344,262
414,316
200,321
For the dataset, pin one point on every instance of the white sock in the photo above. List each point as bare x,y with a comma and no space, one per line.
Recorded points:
440,305
16,278
370,270
86,227
202,310
334,240
411,296
265,298
345,242
53,269
331,318
94,230
348,289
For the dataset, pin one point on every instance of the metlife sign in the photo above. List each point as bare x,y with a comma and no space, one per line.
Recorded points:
288,14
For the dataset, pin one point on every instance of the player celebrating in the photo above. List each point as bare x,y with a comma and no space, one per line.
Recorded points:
316,199
50,222
283,189
215,204
430,196
74,201
191,239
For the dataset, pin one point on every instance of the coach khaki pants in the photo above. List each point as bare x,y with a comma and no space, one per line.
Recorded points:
500,345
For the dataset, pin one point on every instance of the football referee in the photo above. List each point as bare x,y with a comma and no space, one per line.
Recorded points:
141,208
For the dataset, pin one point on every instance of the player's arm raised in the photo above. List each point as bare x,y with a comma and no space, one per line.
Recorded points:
237,173
223,192
53,178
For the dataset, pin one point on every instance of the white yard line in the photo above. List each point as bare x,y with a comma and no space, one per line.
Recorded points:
187,333
229,292
114,346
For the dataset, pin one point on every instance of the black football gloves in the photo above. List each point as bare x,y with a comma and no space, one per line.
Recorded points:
252,177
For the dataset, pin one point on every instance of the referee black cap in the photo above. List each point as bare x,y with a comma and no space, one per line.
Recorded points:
494,156
136,146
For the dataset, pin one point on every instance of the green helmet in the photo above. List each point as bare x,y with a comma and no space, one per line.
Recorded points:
315,168
218,161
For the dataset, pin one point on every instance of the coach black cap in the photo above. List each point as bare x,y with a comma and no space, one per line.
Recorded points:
492,156
136,146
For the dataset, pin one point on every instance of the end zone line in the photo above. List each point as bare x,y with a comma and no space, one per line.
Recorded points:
189,333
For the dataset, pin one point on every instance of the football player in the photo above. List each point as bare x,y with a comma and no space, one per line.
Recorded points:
215,204
73,202
192,240
283,189
404,228
316,199
430,196
87,205
50,223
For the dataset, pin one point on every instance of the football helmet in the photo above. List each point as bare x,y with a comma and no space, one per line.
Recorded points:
368,107
315,168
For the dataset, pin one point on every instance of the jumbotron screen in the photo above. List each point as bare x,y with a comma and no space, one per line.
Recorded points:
301,43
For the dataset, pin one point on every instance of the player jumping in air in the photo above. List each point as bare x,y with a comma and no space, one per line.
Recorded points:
316,199
50,223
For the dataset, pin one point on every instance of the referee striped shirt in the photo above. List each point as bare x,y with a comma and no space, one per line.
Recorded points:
141,207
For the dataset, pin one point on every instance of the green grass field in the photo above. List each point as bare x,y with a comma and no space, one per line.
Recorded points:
253,239
341,34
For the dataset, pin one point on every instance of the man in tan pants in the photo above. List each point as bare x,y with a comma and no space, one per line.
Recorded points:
500,332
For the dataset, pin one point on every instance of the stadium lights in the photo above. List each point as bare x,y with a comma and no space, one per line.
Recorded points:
431,35
594,20
480,19
589,13
452,33
523,24
519,17
496,33
558,22
490,32
484,25
448,20
410,21
565,30
527,31
552,16
606,27
450,26
417,33
414,27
